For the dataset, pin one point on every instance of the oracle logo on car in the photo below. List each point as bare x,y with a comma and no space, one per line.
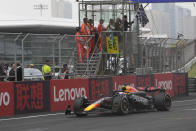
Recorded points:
4,98
164,84
68,94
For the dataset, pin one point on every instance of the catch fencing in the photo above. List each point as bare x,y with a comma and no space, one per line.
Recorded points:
35,49
125,56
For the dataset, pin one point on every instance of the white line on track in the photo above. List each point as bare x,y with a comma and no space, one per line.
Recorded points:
184,101
55,114
26,117
190,109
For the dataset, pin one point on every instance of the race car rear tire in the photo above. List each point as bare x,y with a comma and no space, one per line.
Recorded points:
120,105
162,102
79,105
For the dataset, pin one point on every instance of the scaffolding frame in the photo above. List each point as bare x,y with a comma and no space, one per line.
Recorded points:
114,8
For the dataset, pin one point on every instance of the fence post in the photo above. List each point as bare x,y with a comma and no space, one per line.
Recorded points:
23,56
60,60
15,53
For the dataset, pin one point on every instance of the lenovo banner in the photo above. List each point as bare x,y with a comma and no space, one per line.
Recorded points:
31,96
100,87
64,92
165,81
6,99
120,80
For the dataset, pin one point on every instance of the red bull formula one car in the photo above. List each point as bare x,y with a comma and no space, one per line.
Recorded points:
128,100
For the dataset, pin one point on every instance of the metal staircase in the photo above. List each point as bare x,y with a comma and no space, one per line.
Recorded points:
88,67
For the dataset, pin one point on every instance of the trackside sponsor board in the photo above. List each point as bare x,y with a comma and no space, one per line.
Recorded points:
180,84
31,96
144,81
100,87
165,81
120,80
6,99
64,92
174,83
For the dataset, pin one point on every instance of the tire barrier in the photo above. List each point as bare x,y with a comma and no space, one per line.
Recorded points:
192,85
56,95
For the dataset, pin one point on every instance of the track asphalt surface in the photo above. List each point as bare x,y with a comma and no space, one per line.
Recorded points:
181,117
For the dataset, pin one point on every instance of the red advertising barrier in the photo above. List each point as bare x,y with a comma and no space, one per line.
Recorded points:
100,87
165,81
180,84
55,95
120,80
6,99
144,81
64,92
174,83
31,96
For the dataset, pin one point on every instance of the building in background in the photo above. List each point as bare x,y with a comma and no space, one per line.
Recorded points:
168,8
190,27
176,16
61,9
158,22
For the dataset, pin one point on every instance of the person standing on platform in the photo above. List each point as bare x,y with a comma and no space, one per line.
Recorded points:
100,29
86,32
80,44
92,32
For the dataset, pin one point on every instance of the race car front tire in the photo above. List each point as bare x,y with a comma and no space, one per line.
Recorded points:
79,105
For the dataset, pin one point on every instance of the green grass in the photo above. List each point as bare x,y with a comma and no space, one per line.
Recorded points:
192,71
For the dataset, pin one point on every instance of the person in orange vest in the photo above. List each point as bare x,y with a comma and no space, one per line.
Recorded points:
80,43
100,29
92,32
86,31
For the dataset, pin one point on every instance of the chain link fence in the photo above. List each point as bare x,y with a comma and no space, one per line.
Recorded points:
166,55
120,55
34,50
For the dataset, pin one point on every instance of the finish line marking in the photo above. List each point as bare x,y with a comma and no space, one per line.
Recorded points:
27,117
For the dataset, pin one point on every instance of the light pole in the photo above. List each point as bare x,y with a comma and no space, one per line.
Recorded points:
40,7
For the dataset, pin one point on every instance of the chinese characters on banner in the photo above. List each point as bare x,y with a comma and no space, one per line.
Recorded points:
31,97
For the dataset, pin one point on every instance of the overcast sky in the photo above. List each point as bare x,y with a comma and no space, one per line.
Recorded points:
25,8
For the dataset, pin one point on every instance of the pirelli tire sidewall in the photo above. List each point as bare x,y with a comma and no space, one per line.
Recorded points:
120,105
79,104
162,101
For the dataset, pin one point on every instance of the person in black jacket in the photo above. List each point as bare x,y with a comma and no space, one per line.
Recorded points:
65,72
2,72
12,73
19,72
